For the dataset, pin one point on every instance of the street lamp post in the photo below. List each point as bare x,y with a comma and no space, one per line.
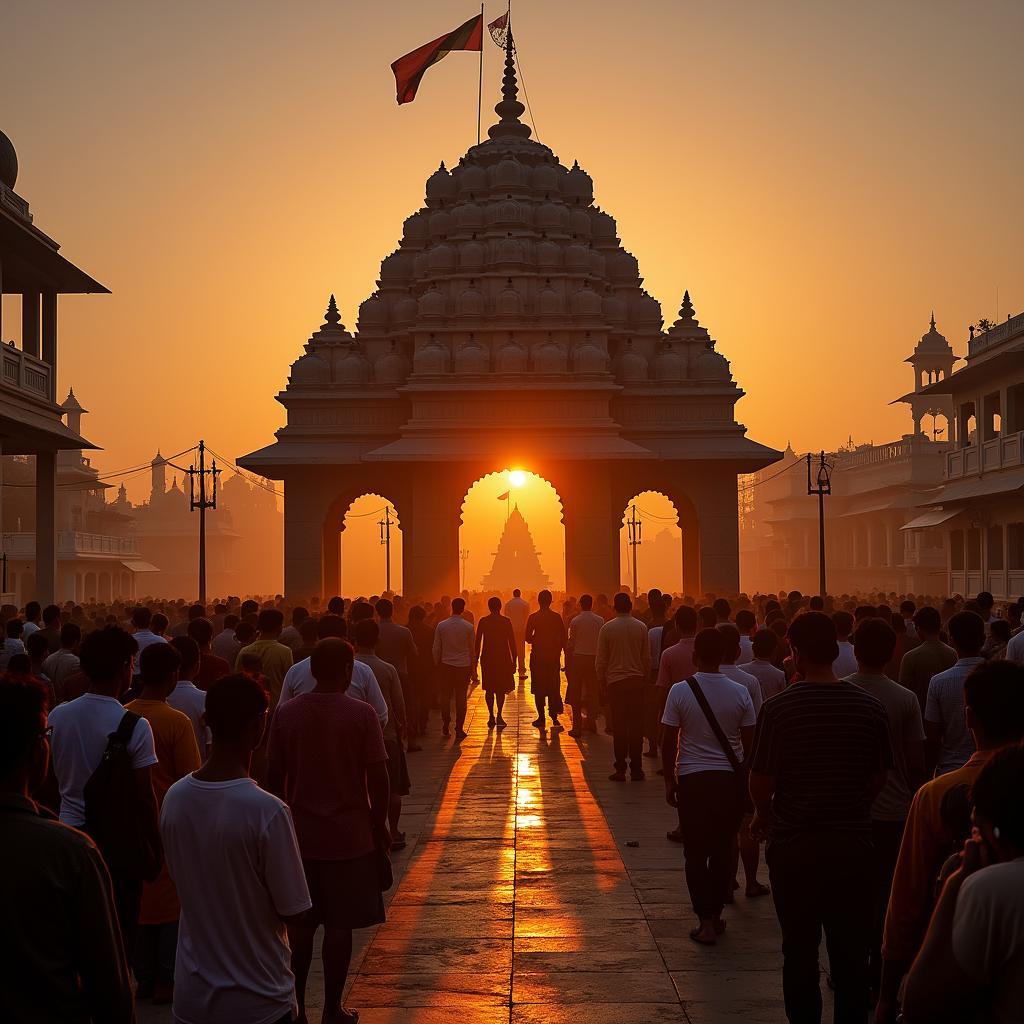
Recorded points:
821,485
385,539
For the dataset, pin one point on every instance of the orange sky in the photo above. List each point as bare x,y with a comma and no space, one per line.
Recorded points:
818,175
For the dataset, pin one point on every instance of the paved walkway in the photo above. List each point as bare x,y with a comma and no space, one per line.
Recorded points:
518,900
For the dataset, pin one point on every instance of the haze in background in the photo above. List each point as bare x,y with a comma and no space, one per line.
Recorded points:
820,176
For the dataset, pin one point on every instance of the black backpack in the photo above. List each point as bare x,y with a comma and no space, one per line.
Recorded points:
120,824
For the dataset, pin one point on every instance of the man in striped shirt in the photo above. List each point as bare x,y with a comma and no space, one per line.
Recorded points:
821,753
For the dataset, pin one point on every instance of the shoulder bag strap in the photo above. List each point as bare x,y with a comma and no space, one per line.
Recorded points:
125,728
724,743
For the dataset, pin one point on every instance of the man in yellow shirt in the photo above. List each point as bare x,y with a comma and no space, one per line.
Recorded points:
275,657
994,712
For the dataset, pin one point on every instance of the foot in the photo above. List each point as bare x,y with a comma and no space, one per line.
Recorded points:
675,836
461,735
705,935
755,889
651,753
539,723
638,776
490,722
502,724
617,777
398,844
446,729
340,1016
575,733
719,926
556,726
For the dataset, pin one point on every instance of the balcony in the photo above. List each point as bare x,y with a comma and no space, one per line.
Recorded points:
995,454
71,544
985,340
25,373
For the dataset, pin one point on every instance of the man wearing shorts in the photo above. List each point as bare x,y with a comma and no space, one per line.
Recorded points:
327,760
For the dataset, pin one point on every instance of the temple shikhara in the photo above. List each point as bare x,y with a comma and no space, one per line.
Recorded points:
510,328
517,560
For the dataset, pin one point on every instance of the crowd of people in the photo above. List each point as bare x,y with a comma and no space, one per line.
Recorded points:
190,792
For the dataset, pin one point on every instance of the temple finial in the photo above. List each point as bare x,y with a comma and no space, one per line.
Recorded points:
509,109
332,316
686,313
933,319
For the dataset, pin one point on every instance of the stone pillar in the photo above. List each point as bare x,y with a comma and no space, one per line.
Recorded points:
46,528
304,511
691,559
49,325
430,532
717,507
30,323
331,558
591,532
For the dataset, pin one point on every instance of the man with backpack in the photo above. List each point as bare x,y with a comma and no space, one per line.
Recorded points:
102,760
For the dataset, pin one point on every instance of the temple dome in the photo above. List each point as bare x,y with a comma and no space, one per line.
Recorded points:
398,267
509,301
669,365
310,369
472,357
512,357
405,310
8,162
372,312
711,365
469,217
353,369
586,302
441,257
472,178
431,303
632,366
933,343
440,224
441,185
578,186
471,302
430,358
392,367
589,357
550,358
471,255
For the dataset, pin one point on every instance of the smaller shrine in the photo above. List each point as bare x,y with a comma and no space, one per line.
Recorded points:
517,560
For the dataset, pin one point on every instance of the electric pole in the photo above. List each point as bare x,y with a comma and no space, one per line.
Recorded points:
385,539
821,486
463,558
198,501
635,530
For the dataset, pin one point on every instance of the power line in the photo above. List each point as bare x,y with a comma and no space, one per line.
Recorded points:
253,478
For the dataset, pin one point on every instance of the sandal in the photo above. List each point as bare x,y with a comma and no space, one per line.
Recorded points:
755,890
695,934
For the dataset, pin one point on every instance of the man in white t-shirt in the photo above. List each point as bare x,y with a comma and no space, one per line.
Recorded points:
583,632
186,697
746,623
730,669
364,686
700,779
142,618
846,664
232,853
81,730
518,611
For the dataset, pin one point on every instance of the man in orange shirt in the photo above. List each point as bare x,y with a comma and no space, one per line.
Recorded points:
994,712
177,755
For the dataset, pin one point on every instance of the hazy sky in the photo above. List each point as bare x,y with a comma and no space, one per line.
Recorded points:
818,174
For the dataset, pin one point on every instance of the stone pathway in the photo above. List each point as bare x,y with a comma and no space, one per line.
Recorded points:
518,900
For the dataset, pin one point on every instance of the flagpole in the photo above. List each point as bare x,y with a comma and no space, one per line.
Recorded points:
480,86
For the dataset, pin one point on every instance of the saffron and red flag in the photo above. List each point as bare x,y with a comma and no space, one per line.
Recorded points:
504,497
410,68
499,30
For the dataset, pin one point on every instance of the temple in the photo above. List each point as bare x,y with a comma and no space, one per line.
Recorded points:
510,328
517,560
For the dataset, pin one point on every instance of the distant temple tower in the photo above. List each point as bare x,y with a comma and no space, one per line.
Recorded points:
932,361
517,560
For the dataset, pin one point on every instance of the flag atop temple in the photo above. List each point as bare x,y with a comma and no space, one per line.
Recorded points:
411,68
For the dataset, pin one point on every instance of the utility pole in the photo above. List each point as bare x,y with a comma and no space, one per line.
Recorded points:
463,558
821,486
635,531
198,501
385,539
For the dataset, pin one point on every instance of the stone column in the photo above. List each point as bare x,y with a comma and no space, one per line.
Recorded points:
691,559
717,507
30,323
331,558
430,532
591,531
304,511
49,353
46,528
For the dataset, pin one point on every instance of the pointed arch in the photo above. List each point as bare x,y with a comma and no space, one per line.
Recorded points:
364,554
659,555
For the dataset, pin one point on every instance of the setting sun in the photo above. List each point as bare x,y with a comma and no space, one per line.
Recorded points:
517,478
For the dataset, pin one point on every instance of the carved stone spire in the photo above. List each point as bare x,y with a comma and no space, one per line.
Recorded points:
509,109
332,316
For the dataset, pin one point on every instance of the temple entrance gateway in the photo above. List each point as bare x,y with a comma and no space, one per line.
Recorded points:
510,328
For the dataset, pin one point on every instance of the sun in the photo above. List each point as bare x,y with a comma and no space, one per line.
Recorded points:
517,478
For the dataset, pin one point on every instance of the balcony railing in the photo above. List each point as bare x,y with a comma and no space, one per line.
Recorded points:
995,335
25,373
996,453
71,544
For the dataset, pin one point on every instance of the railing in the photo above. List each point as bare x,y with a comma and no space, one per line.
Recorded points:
71,543
996,453
25,372
995,335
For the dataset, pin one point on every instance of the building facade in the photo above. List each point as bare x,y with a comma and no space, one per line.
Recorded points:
876,493
509,329
31,421
979,510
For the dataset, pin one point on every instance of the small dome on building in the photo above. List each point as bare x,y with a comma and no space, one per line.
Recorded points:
471,302
405,310
577,257
440,224
509,212
510,251
397,267
441,257
372,312
415,229
310,369
472,357
550,358
471,255
712,365
669,364
622,266
431,303
430,358
508,174
589,357
547,253
631,366
578,186
586,302
469,217
353,368
545,178
510,302
549,302
512,357
613,307
392,367
603,226
580,223
8,162
551,217
472,178
933,343
440,185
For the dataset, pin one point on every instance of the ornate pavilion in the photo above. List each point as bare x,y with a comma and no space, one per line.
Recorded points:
510,328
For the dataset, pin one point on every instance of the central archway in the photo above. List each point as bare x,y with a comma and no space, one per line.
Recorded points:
659,555
364,554
512,511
